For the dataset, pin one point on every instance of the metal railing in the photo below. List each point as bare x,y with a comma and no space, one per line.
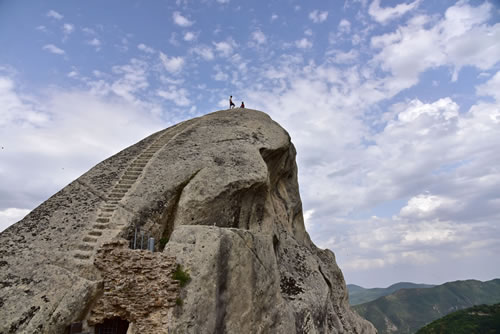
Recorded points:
142,240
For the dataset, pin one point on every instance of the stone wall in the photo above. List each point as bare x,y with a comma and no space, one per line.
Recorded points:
137,287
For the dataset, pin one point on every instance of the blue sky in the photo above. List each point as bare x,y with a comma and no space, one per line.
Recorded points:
394,108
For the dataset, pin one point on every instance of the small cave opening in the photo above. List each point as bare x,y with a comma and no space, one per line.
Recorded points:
112,326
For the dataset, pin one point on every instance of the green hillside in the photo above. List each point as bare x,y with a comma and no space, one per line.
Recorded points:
360,295
407,310
482,319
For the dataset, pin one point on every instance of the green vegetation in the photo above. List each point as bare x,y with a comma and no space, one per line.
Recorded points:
407,310
482,319
178,301
163,241
360,295
181,276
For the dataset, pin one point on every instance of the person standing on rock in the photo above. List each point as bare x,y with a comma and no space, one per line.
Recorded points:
242,105
231,104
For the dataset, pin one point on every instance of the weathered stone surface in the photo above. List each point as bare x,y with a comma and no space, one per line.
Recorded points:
138,286
224,189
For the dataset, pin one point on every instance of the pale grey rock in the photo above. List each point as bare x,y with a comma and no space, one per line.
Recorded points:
223,188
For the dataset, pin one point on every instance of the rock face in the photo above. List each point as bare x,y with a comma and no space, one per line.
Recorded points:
223,190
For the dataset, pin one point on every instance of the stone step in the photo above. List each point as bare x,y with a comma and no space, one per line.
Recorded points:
82,256
129,177
126,183
100,226
105,215
108,209
115,196
89,239
85,247
135,174
123,186
102,220
95,233
135,169
119,191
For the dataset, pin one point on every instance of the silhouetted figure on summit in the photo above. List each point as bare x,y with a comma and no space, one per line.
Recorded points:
231,104
242,104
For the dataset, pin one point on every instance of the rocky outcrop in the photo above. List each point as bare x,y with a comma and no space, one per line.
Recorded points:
222,189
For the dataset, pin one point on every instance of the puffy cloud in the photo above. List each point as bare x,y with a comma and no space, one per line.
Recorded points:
344,26
225,48
190,36
68,29
172,64
259,37
55,15
318,16
303,43
491,87
340,57
145,48
384,15
53,49
176,95
95,43
203,51
181,20
414,48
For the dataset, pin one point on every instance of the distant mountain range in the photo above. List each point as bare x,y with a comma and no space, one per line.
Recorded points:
360,295
474,320
407,310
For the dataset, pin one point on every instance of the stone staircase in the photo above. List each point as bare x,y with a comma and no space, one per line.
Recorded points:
104,229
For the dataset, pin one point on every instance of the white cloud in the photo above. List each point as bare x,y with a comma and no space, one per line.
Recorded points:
55,15
68,28
221,76
203,51
461,38
15,110
259,37
145,48
341,57
225,48
223,1
129,80
190,36
88,31
304,43
384,15
425,206
318,16
181,20
42,28
53,49
274,17
95,43
344,26
172,64
491,87
73,74
176,95
10,216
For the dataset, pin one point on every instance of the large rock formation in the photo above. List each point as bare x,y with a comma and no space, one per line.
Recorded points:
223,189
